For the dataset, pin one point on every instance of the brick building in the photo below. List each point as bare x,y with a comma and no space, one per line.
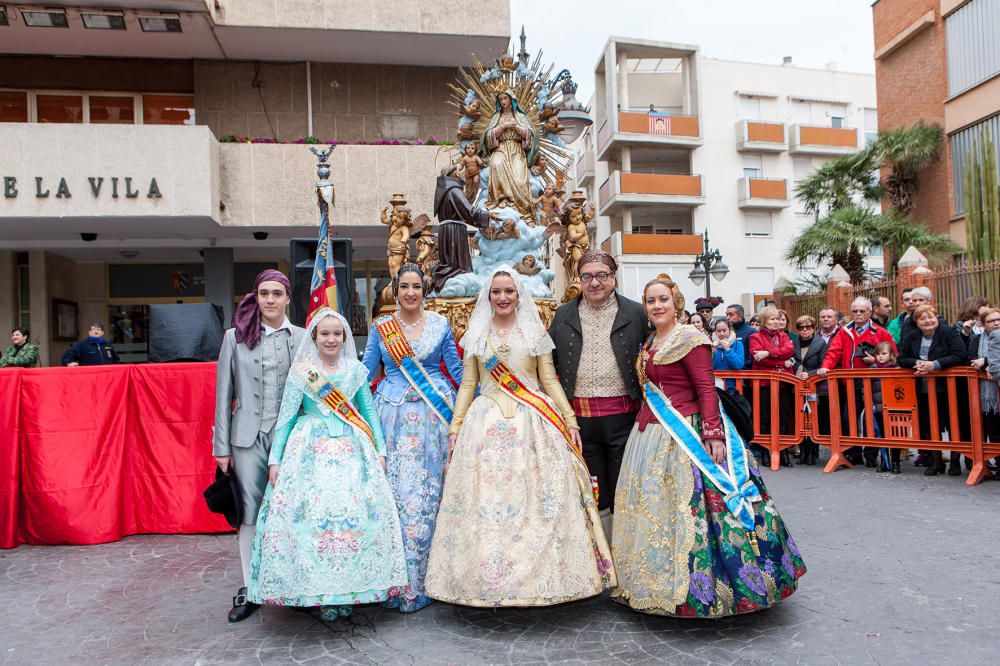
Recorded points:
939,61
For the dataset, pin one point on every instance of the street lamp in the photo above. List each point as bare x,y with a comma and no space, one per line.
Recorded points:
709,262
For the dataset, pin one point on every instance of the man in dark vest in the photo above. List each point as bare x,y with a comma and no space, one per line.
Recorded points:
597,339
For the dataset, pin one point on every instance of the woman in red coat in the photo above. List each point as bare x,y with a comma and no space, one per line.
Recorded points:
772,349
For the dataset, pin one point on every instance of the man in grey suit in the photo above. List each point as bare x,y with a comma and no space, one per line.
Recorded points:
250,379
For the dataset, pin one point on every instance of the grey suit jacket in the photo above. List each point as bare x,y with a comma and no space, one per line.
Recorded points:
238,387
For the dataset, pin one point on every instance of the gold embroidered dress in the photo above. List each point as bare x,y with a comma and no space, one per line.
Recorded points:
518,524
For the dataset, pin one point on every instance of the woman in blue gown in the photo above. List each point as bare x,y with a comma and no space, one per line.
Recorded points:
414,405
327,533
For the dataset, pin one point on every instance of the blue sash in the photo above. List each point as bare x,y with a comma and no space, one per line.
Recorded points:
733,479
402,355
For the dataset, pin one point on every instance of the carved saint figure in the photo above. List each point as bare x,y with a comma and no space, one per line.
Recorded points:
510,144
427,253
575,243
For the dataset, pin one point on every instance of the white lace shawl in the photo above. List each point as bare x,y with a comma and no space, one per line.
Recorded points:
529,323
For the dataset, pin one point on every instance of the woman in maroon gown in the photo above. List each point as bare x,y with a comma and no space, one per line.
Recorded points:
680,548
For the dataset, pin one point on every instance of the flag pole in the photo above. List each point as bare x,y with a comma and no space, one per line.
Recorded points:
323,288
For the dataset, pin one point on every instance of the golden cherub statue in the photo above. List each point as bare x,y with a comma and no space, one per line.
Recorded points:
549,204
528,265
427,254
399,220
470,164
575,241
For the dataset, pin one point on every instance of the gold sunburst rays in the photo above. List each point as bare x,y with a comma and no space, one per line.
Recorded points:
525,89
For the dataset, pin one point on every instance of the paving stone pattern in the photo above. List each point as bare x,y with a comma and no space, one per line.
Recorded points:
902,570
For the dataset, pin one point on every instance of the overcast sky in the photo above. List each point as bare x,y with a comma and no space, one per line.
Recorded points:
813,32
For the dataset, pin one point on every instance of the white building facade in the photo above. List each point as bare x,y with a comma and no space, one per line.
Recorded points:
684,145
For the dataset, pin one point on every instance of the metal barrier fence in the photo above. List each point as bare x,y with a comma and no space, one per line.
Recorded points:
913,413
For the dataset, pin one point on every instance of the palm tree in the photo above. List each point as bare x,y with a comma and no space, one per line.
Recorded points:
905,152
848,233
841,182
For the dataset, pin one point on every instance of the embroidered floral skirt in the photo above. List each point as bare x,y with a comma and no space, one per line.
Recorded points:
679,551
518,524
416,443
327,532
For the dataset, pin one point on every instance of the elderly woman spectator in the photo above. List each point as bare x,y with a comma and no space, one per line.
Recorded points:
771,349
929,348
21,353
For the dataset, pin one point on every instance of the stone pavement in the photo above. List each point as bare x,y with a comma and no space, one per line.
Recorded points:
902,570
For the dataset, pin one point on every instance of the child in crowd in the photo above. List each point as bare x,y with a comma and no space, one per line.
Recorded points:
885,357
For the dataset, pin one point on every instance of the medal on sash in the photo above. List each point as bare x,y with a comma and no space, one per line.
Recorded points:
331,396
515,388
402,355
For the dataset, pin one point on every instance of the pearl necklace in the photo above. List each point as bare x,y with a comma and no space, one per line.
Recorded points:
409,328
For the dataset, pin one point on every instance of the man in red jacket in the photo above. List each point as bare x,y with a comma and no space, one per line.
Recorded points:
854,347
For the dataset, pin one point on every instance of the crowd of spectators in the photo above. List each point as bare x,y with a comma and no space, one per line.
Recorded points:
870,336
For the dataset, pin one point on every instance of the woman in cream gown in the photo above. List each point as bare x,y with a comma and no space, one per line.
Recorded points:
518,523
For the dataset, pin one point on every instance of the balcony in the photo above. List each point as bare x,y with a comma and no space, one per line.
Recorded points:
644,129
585,168
824,141
763,193
623,189
757,136
620,244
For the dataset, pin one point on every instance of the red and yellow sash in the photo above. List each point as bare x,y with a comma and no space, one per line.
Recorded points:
335,400
399,349
515,388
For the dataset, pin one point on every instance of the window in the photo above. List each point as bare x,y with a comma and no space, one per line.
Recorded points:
802,112
973,53
836,121
749,108
752,166
962,143
112,110
59,108
875,251
168,109
760,280
801,168
13,107
871,126
757,225
23,291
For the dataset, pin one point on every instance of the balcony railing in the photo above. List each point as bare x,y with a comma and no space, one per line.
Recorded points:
817,140
632,127
763,192
623,244
760,136
585,168
628,188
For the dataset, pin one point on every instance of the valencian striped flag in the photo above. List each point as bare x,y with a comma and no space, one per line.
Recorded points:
659,123
323,289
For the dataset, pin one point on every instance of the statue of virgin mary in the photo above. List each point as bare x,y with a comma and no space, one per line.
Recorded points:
510,144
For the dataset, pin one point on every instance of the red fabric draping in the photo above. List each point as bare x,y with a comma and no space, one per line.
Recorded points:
10,466
108,451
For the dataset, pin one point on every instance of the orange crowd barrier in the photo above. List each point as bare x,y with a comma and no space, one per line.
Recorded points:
914,412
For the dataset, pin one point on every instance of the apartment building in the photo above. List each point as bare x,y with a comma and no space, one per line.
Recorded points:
939,61
683,145
148,155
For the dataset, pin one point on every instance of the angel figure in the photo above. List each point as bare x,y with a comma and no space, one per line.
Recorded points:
575,243
553,126
540,166
470,163
471,108
466,132
508,229
399,221
548,204
528,266
506,62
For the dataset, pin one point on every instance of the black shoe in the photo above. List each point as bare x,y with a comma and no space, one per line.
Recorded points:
786,458
922,460
765,458
933,470
954,469
242,609
881,468
895,468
